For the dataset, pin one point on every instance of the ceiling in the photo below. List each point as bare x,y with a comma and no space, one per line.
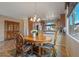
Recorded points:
48,10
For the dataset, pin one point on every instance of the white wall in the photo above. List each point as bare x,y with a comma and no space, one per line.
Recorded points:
24,26
26,30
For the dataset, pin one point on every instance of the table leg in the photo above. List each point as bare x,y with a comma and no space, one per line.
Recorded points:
32,49
40,50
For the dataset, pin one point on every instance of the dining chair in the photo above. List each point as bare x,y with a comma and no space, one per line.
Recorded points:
36,49
50,47
21,47
37,45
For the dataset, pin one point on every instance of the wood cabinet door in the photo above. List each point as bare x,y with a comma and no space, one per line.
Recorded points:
10,29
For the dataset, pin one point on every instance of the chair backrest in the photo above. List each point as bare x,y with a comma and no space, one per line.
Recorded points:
19,38
19,43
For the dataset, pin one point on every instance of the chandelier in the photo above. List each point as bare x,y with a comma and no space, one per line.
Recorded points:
35,18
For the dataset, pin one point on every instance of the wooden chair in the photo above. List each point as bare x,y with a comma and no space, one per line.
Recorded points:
21,47
50,46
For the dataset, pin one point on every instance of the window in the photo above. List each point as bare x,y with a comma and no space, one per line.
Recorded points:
74,21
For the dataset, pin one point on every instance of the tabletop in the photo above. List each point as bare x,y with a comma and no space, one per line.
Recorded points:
38,39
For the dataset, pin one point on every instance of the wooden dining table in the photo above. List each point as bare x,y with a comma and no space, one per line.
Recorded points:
40,39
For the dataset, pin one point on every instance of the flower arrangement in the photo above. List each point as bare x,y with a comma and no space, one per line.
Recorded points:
34,32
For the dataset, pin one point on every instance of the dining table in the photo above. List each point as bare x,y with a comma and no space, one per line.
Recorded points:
39,39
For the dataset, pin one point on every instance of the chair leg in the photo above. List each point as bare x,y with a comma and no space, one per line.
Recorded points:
51,53
54,52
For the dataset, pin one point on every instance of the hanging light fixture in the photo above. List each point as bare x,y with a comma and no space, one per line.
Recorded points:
35,18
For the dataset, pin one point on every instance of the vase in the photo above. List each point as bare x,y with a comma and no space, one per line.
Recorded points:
34,35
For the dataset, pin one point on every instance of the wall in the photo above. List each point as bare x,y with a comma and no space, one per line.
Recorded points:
2,19
24,26
21,26
26,29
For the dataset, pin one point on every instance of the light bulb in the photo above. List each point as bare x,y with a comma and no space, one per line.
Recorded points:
31,19
38,19
35,17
